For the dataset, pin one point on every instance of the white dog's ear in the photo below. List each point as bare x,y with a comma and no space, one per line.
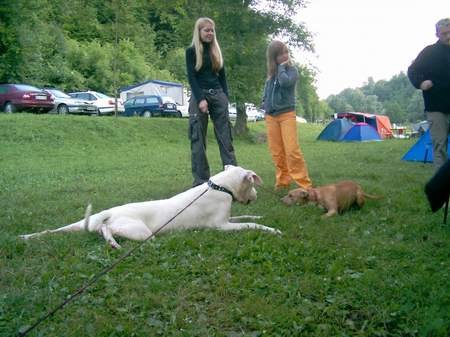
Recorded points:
253,178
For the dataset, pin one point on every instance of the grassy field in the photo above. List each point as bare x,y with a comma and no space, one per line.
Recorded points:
380,271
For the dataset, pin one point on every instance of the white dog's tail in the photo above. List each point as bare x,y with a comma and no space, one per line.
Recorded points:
87,216
94,222
90,223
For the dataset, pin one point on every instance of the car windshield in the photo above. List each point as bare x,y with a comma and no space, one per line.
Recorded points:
100,95
58,93
25,87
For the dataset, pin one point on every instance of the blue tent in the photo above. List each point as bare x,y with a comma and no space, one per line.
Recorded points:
335,130
422,150
361,132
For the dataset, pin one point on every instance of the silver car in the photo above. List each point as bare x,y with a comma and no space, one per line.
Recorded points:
105,105
64,104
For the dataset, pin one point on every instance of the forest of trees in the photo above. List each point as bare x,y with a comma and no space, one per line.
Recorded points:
105,45
396,98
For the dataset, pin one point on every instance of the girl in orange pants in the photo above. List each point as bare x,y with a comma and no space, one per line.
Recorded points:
279,104
286,154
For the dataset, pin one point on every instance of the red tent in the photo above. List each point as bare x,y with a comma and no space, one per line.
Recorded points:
381,123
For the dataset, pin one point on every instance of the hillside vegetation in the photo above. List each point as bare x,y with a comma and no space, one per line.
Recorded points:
383,270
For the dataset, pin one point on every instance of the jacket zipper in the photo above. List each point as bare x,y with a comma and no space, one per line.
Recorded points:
273,92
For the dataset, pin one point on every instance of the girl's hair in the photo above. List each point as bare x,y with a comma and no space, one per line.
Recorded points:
275,49
215,52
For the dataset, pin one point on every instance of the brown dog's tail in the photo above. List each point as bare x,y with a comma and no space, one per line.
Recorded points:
370,196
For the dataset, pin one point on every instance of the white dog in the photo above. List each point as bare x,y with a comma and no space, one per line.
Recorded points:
138,221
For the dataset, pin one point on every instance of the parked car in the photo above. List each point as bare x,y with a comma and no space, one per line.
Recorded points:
149,106
169,100
253,113
105,105
183,110
232,112
65,104
24,97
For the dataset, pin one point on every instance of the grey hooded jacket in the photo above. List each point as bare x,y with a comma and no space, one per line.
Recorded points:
279,91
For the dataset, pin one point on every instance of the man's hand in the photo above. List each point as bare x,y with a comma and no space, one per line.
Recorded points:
203,106
425,85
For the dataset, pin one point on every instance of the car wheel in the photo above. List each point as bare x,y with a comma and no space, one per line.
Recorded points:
9,108
179,115
62,109
147,114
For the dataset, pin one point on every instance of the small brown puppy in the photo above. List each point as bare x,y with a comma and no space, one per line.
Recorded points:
335,198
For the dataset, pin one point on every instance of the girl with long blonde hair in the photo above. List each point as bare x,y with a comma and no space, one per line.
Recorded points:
209,97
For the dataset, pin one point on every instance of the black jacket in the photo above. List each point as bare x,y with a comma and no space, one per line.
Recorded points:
205,77
433,63
279,91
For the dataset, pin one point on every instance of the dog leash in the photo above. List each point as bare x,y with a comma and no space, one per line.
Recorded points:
103,272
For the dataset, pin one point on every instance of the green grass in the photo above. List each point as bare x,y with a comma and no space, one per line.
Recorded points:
380,271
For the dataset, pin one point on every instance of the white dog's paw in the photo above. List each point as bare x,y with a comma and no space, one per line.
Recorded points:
114,244
273,231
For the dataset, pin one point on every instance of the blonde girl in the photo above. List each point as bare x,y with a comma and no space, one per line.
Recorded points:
207,79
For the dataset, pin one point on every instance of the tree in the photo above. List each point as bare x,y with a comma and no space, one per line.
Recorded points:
103,45
401,101
338,104
243,30
396,98
308,103
31,45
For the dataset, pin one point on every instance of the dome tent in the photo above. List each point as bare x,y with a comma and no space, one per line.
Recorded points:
343,130
381,123
335,130
422,150
361,132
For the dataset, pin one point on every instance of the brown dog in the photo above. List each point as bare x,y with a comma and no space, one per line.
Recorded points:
335,198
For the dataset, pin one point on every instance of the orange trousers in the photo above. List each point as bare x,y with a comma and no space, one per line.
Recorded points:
286,154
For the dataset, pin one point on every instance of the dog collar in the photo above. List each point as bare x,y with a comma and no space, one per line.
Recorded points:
220,188
312,194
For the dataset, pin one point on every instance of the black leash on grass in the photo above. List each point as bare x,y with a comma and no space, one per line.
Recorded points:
103,272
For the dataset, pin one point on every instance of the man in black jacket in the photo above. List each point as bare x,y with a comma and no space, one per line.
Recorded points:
430,72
